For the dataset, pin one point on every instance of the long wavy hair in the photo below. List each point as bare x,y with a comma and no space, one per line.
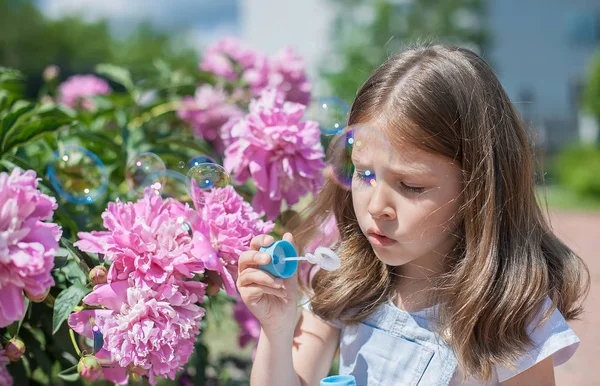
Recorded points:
448,101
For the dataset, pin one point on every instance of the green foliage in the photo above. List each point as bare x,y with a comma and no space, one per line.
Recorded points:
30,42
366,33
578,168
591,93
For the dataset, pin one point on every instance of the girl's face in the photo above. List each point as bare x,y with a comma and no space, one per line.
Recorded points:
406,201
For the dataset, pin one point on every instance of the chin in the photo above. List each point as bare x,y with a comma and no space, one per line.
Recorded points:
390,258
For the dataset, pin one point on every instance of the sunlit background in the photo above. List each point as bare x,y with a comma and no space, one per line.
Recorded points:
546,54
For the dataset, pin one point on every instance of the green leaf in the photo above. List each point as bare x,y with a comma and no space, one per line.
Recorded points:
10,75
70,374
74,273
68,377
37,334
32,130
83,259
116,74
64,304
60,259
17,112
27,303
4,99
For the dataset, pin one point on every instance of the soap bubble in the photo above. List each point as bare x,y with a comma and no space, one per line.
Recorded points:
366,143
77,174
206,177
200,159
331,113
140,169
168,183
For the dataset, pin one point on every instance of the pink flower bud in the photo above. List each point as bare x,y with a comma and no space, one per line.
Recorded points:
98,275
15,349
89,368
51,72
37,298
212,290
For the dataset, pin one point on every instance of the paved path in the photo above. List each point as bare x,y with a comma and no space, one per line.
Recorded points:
581,232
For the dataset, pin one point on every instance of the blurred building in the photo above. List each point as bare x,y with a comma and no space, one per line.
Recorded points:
540,49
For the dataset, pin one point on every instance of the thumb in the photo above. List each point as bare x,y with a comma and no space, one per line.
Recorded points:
288,237
292,280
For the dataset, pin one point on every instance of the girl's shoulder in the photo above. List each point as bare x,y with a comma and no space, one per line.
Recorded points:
550,338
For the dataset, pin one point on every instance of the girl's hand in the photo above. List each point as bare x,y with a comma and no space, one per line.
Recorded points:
274,301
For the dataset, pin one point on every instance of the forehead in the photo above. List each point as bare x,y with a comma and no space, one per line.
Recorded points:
372,146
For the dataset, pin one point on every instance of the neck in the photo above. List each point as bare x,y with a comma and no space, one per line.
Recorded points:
414,286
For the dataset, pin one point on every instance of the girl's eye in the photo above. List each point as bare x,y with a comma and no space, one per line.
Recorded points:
412,189
365,175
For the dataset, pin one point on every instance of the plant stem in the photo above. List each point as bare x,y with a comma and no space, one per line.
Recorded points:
74,342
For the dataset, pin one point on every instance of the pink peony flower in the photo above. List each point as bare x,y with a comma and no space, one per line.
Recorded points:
78,89
225,132
249,325
27,244
284,72
146,242
207,112
217,58
230,223
151,314
143,331
5,378
282,153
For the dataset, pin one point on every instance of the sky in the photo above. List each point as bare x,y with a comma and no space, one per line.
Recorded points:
198,21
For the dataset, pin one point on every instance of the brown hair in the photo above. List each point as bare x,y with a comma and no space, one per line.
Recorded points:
448,101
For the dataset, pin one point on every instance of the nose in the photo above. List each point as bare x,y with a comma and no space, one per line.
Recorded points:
379,205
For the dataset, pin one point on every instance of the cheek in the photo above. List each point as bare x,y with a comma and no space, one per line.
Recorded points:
360,203
426,221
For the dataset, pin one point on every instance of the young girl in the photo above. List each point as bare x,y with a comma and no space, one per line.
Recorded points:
450,272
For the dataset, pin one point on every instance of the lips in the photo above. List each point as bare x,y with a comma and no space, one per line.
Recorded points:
377,238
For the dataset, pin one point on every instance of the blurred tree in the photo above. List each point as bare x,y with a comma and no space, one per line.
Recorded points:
30,42
591,92
366,32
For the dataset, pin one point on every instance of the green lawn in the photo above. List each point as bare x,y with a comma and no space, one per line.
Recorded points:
562,198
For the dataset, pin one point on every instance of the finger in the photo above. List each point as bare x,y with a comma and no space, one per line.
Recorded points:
288,237
255,292
257,276
292,280
261,241
252,259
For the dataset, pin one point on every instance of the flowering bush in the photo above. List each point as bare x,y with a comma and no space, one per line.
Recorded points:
27,245
101,226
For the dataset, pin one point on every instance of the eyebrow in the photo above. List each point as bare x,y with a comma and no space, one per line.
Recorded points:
404,171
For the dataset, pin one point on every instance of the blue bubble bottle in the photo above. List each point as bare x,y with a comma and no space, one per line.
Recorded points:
339,380
284,259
